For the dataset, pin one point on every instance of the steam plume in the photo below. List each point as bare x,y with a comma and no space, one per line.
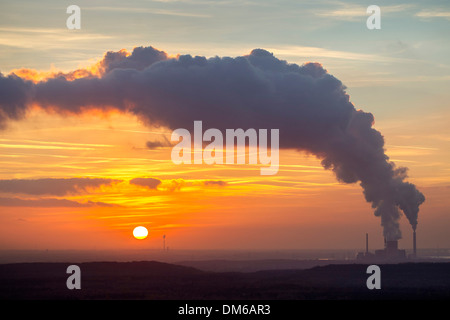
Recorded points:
307,104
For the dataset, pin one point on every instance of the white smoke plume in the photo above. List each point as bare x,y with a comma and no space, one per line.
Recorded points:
307,104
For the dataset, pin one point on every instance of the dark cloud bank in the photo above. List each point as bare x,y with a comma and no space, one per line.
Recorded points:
150,183
52,186
50,203
174,184
307,104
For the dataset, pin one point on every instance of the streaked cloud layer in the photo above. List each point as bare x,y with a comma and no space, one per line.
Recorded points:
50,186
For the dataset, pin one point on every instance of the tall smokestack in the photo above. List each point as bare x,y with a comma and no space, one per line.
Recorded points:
414,243
367,243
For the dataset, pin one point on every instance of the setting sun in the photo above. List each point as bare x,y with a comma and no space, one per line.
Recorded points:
140,232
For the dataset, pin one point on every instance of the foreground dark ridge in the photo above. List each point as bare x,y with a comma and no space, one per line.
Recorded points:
157,281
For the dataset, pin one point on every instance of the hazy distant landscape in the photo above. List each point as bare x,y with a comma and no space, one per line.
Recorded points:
215,275
171,256
14,256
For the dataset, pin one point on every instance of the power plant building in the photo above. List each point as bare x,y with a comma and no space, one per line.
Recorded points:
390,251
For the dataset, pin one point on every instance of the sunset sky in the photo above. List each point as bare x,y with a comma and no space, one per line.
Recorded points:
83,178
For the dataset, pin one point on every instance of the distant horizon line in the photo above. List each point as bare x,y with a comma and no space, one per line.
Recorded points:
220,249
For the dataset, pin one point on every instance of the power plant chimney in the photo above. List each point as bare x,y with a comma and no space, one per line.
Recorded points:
367,243
414,243
164,242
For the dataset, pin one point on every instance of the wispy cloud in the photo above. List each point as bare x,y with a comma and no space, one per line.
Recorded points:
316,52
433,14
48,38
150,183
164,143
175,184
413,151
50,203
353,12
217,2
38,144
49,186
412,147
150,11
30,146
